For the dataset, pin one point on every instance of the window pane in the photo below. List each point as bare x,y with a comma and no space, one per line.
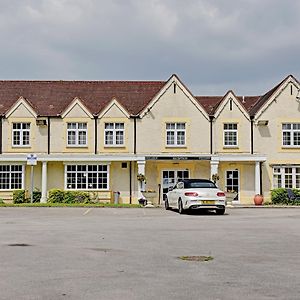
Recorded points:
170,138
109,137
71,125
82,138
109,125
180,138
119,137
71,138
286,138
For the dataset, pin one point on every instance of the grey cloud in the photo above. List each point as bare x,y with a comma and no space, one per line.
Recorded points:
213,46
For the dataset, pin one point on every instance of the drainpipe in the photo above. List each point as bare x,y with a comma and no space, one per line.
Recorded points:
49,134
134,134
130,182
211,118
96,134
260,182
251,130
1,135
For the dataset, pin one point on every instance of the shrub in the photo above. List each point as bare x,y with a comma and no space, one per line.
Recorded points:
56,196
19,197
1,201
37,196
280,196
60,196
77,197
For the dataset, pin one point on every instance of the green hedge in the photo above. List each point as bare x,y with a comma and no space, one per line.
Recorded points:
280,196
19,197
60,196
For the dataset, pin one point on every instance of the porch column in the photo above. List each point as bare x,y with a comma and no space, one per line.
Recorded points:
214,166
44,182
257,177
141,185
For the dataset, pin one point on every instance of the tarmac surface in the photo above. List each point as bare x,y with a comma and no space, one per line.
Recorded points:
119,253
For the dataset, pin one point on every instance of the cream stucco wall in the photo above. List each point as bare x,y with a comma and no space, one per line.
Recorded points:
236,115
38,134
173,107
268,139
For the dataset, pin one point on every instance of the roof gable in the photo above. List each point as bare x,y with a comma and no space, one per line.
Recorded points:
113,103
76,103
21,102
266,100
174,80
230,96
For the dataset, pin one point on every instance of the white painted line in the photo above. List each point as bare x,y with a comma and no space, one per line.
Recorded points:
87,211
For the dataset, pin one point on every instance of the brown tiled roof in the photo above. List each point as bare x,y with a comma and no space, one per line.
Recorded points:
51,98
209,103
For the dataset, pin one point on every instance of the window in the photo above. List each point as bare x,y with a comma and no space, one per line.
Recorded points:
114,134
87,177
230,135
77,134
291,134
21,134
175,134
286,177
11,177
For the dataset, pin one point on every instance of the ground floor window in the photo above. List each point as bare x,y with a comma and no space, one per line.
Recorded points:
87,177
11,177
286,177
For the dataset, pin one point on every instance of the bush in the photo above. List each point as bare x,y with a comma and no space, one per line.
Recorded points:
60,196
280,196
76,197
56,196
1,201
37,196
19,197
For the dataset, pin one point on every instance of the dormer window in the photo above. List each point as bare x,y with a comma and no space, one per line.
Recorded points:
77,134
21,135
230,135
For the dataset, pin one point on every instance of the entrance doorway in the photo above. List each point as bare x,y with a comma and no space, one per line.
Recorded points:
232,183
170,177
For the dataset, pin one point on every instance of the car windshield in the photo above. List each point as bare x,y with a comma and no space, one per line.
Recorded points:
199,184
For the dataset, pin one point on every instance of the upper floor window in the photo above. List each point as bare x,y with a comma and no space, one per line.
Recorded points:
230,135
77,134
114,134
21,134
286,177
291,134
11,177
175,134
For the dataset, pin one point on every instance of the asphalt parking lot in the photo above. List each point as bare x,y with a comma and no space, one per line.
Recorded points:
110,253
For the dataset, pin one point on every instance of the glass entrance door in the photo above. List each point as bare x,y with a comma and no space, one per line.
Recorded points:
170,177
233,182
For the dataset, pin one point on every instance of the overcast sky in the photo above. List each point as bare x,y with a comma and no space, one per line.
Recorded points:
212,45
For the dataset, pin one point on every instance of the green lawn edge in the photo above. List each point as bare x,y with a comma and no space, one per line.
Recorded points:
70,205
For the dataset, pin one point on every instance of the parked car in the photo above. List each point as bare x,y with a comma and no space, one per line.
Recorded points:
196,194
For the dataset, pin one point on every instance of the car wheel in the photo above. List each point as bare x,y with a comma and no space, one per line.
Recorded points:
167,207
180,207
220,211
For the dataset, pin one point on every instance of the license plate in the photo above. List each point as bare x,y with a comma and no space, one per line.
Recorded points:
208,202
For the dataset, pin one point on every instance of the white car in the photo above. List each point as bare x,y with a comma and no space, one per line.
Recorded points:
196,194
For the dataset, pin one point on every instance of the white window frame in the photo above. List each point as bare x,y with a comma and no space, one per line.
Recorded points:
175,131
230,131
86,172
114,131
77,130
291,131
21,133
10,172
282,173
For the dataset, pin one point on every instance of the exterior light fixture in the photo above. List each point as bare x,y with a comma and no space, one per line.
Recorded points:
263,122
